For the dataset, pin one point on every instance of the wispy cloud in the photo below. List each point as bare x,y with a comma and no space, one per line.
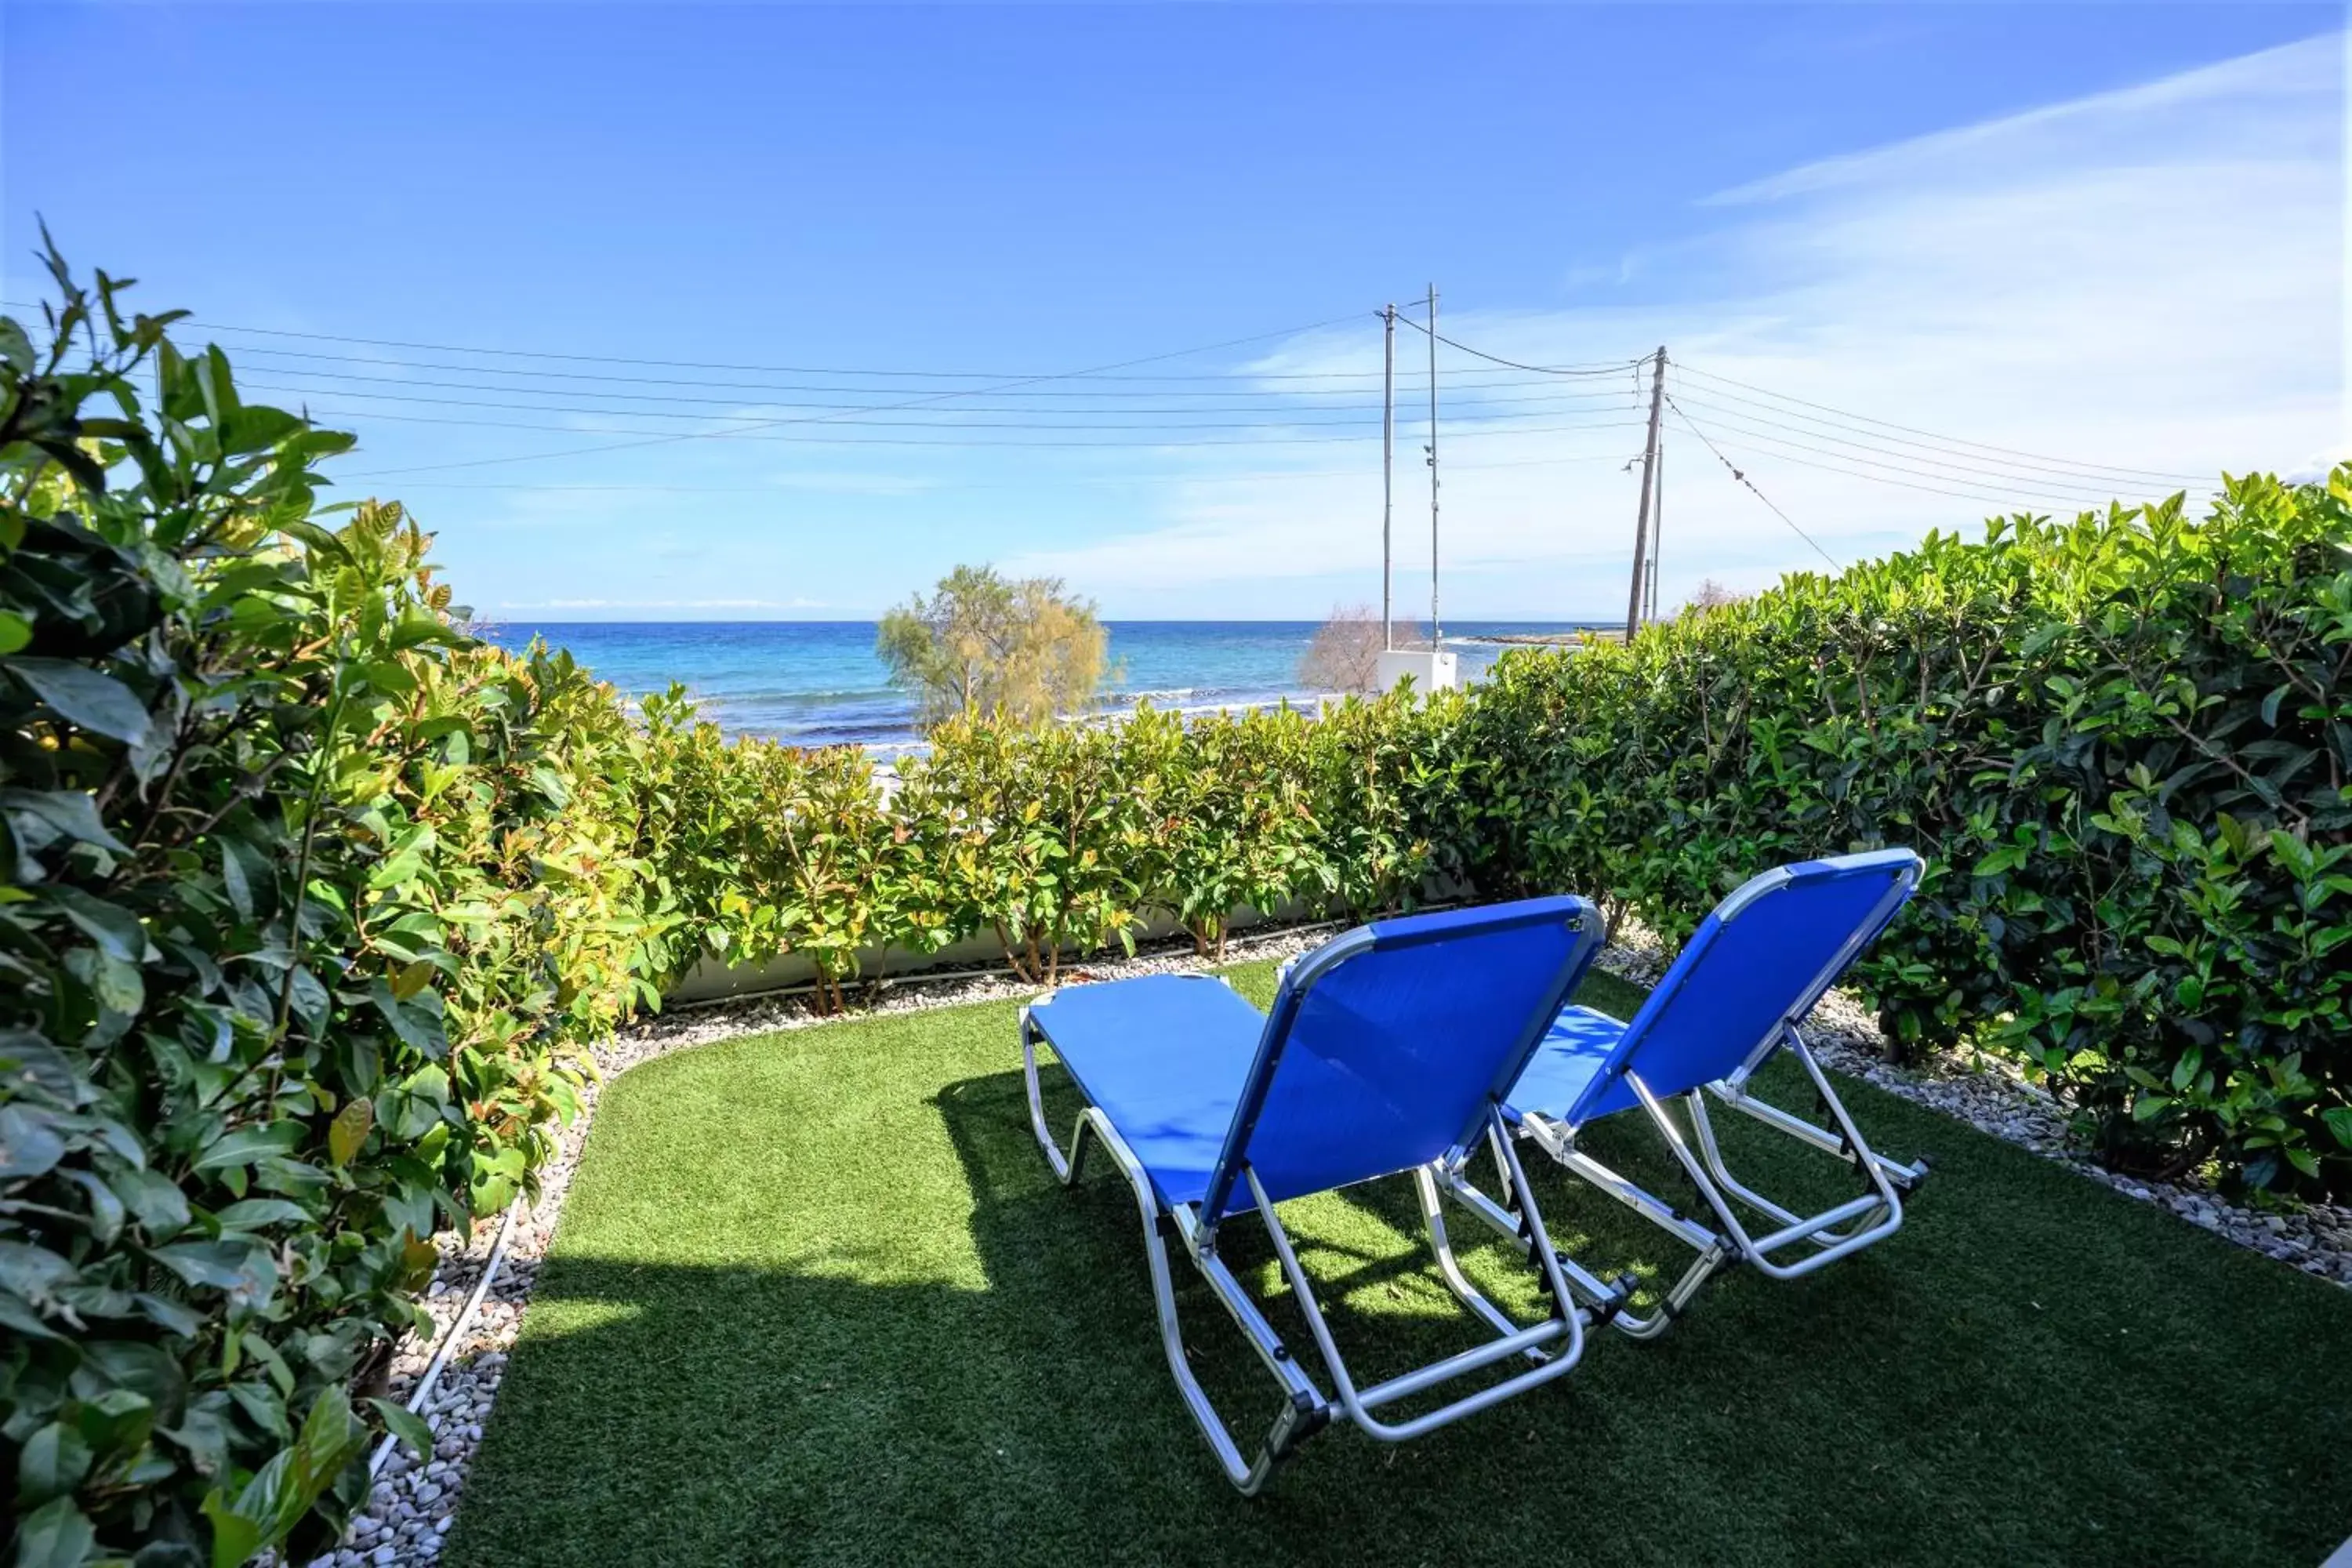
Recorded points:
2148,280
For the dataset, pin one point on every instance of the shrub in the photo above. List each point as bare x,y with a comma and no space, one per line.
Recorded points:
1389,774
309,901
1227,815
1345,653
812,865
2123,743
229,1122
1031,833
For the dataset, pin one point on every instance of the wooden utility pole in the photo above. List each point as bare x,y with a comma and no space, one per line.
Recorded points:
1649,473
1388,472
1436,634
1657,527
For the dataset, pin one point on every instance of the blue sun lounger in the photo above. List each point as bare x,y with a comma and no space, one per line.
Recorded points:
1388,1051
1736,995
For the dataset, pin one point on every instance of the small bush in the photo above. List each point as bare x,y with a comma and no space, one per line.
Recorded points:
1227,815
1344,655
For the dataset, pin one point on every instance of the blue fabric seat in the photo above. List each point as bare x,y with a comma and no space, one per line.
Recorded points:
1166,1056
1389,1050
1575,1051
1749,972
1739,991
1382,1048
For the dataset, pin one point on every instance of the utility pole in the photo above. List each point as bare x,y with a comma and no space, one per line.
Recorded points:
1657,528
1436,633
1388,471
1649,473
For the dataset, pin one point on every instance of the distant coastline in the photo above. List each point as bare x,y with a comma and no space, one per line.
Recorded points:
817,683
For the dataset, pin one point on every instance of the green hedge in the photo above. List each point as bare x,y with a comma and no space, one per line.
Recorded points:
308,900
1055,841
2124,744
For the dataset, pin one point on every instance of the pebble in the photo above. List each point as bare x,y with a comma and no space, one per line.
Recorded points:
416,1505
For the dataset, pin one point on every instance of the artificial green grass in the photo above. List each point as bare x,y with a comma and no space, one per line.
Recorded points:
817,1299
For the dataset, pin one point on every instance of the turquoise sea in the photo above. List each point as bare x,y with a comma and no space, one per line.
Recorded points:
817,683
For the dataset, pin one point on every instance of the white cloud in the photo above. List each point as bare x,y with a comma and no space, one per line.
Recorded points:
2146,280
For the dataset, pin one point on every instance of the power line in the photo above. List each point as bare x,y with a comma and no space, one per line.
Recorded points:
1596,368
1952,440
1760,495
820,418
758,369
2082,477
1981,496
952,420
757,434
783,488
607,377
1155,386
2027,486
1961,486
1104,372
1279,403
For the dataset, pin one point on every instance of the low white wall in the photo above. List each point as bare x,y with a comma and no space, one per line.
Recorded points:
714,979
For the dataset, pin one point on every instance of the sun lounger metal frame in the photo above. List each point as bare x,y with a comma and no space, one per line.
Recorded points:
1553,1345
1719,1236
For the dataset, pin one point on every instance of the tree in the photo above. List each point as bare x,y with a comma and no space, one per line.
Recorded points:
1711,595
989,647
1346,653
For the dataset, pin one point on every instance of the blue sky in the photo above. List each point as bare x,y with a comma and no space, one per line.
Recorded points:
2073,236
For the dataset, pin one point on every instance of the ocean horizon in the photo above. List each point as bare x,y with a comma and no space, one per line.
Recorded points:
819,683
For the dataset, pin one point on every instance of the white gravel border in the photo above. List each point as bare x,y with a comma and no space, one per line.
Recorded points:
1992,1095
409,1515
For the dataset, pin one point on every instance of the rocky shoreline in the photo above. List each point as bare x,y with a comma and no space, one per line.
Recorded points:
414,1503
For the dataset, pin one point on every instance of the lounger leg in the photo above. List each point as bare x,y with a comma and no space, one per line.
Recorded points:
1359,1404
1905,1177
1066,1166
1872,1220
1305,1411
1876,1215
1712,1152
1712,1252
1425,1183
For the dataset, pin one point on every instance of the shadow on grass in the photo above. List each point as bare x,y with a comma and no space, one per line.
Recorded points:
2034,1371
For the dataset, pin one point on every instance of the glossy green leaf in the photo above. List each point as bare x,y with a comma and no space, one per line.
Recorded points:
83,696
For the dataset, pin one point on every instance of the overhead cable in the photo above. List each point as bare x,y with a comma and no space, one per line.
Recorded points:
820,418
1610,368
1737,474
1953,440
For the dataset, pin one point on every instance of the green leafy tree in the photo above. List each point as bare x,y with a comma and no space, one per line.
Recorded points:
985,645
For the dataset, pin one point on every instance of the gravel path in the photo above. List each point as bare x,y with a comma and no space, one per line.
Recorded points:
409,1515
